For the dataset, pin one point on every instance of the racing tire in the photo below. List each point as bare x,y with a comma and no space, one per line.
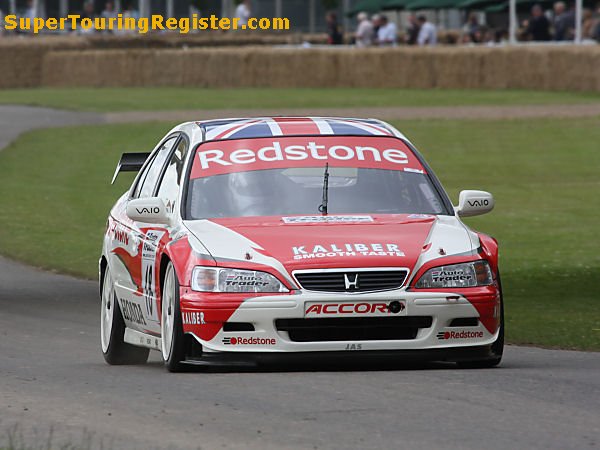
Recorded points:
173,339
497,348
112,329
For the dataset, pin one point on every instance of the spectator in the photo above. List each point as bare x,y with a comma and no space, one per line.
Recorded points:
488,37
88,13
465,39
30,12
412,30
109,10
479,36
427,33
472,28
376,21
387,34
501,37
564,22
596,32
588,24
129,13
334,31
537,28
88,10
243,12
364,31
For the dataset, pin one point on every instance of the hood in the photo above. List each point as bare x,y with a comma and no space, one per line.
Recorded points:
292,243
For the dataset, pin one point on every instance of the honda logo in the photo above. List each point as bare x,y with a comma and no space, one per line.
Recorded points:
351,284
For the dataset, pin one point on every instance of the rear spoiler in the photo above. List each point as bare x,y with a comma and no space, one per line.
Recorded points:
130,162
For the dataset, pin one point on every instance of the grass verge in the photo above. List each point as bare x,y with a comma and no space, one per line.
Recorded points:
543,173
164,98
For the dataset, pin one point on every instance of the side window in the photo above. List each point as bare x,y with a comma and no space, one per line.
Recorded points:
147,182
169,186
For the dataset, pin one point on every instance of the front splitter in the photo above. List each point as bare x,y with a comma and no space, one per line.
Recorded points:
358,357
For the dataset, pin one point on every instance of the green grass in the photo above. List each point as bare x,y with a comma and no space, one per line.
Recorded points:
132,99
543,173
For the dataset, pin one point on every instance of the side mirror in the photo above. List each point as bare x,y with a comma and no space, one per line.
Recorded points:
474,203
148,210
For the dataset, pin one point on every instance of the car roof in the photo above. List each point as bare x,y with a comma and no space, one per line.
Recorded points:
262,127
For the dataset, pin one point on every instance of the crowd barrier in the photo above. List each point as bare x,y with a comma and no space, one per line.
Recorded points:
552,67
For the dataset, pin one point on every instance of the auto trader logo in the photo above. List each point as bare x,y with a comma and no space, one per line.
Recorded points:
244,280
463,334
449,275
236,340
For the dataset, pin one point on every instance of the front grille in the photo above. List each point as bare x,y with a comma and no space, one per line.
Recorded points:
353,328
352,280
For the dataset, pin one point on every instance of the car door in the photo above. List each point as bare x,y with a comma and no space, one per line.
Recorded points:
136,286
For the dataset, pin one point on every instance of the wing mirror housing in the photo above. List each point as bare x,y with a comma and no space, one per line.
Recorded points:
474,203
148,210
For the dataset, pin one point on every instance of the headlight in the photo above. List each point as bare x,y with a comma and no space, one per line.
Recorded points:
476,273
213,279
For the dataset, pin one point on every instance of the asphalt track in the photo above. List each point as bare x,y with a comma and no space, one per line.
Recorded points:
55,387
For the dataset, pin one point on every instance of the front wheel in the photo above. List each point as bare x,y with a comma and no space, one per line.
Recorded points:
112,329
173,349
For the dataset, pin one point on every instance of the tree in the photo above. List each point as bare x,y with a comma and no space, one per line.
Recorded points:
330,4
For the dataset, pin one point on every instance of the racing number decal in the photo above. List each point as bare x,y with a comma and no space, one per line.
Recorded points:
149,250
148,290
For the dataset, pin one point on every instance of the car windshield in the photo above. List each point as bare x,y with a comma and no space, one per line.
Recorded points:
259,177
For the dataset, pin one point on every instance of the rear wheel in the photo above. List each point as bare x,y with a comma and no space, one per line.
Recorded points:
173,342
497,348
112,329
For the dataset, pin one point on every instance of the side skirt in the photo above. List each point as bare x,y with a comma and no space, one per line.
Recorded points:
138,338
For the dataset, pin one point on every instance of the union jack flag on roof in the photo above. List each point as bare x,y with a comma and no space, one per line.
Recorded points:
291,126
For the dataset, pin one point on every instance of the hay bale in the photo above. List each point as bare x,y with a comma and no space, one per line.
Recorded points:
494,67
595,70
544,67
457,69
573,68
21,59
365,67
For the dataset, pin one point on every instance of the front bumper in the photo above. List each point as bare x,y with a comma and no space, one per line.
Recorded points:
204,316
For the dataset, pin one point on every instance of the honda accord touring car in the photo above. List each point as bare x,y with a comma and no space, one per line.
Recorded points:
295,236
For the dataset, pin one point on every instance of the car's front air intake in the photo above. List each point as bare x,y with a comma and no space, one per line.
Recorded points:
353,328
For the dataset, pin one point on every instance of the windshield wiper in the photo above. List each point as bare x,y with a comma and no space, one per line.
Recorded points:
323,206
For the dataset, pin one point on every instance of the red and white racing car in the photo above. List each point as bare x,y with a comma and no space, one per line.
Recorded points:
243,238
